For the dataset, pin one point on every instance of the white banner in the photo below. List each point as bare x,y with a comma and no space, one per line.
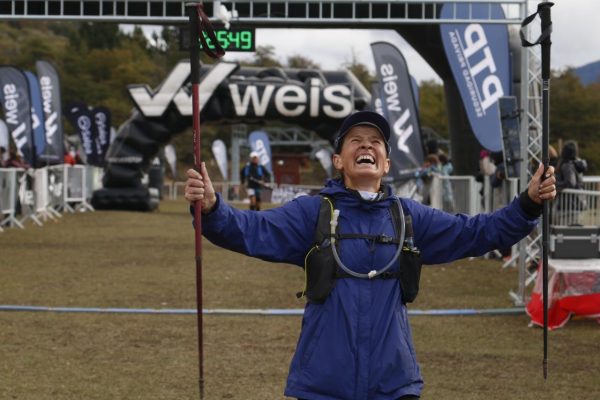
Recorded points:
324,157
220,153
4,139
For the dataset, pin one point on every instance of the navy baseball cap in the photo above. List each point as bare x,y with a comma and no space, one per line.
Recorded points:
368,118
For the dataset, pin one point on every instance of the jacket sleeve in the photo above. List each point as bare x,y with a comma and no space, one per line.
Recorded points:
443,237
567,176
282,234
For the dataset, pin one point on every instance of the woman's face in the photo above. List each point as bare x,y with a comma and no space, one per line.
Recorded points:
363,158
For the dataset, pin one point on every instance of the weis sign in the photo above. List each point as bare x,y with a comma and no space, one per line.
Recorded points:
230,92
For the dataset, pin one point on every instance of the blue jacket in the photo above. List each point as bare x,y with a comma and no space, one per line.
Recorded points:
358,344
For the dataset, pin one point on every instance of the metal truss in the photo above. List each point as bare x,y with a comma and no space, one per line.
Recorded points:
278,136
530,249
260,13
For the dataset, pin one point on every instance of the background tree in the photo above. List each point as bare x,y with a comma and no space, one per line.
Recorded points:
575,115
432,107
265,57
360,70
299,61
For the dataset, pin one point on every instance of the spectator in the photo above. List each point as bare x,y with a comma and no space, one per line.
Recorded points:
570,168
486,166
446,170
553,156
69,157
425,176
569,175
16,161
2,156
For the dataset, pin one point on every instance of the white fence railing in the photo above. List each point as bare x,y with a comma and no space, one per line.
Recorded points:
591,183
232,191
455,194
41,194
576,207
8,197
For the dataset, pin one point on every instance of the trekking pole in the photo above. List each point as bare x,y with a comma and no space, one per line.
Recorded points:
543,11
199,24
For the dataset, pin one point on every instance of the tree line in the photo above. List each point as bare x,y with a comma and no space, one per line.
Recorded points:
96,61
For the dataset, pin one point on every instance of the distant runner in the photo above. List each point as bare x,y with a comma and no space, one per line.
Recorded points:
256,177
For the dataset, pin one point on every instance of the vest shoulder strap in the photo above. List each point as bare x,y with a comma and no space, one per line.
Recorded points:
323,229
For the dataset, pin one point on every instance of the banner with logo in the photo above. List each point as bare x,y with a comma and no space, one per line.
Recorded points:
16,104
220,153
82,119
377,100
324,157
102,120
171,157
259,142
398,106
52,109
37,121
415,90
478,55
313,99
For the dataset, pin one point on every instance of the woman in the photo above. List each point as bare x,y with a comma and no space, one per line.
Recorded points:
356,343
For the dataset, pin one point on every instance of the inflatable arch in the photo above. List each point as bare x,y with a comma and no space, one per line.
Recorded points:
312,99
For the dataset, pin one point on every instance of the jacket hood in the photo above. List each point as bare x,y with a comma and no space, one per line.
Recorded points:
569,151
336,189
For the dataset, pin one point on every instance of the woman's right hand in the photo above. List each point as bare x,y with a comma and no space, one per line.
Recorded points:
198,187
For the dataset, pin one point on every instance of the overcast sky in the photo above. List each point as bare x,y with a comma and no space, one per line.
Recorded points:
575,41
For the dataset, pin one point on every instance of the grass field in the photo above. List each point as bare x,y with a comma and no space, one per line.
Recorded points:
146,260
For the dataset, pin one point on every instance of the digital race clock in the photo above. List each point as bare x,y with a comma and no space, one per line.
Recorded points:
234,39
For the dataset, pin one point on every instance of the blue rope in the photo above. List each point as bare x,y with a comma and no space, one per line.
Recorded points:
249,312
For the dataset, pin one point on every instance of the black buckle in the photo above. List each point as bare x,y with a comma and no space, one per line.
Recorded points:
384,239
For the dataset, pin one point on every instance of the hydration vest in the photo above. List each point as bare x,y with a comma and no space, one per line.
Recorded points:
259,170
322,269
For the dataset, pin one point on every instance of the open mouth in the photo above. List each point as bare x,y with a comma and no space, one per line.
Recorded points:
365,159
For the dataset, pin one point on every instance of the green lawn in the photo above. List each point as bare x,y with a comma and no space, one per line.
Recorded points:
146,260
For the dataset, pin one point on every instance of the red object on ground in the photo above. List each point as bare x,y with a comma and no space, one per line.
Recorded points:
573,289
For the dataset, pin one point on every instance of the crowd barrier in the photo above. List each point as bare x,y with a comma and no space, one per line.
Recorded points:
591,183
233,191
8,197
455,194
42,194
576,207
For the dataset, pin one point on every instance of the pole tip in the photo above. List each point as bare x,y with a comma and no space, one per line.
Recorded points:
545,367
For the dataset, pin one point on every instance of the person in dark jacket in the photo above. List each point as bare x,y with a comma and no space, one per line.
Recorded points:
569,175
2,156
570,168
357,343
256,176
